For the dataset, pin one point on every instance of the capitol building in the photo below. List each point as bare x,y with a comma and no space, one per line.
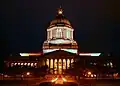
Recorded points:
60,49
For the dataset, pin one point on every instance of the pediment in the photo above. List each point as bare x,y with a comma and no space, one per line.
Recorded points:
60,54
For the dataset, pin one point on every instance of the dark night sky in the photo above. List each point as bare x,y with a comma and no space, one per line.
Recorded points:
96,24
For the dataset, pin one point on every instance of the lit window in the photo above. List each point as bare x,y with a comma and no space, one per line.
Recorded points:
21,63
107,64
104,64
25,64
111,63
12,64
32,64
95,64
28,64
15,64
91,63
18,63
35,64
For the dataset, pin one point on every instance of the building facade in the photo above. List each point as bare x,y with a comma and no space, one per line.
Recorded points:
59,50
57,61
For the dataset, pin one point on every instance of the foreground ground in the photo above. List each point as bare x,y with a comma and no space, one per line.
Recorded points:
82,82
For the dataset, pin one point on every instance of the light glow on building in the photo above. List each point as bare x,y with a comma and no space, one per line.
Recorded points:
60,41
68,50
49,50
90,54
30,54
71,50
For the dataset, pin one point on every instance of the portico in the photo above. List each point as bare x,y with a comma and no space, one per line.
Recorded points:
58,61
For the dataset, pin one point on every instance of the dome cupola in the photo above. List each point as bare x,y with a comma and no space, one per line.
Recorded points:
60,20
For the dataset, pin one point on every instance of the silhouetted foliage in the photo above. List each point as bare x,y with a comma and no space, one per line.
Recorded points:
41,71
96,67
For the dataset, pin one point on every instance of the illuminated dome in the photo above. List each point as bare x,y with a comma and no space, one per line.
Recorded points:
60,35
60,20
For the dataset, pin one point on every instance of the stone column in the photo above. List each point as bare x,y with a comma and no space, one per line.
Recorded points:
53,66
57,65
45,62
49,64
66,64
70,63
64,33
72,34
62,66
47,35
51,34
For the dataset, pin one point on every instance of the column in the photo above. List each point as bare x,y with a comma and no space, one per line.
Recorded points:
53,66
62,66
65,33
72,34
45,61
57,65
66,64
56,33
60,33
47,35
70,63
49,64
30,64
51,34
